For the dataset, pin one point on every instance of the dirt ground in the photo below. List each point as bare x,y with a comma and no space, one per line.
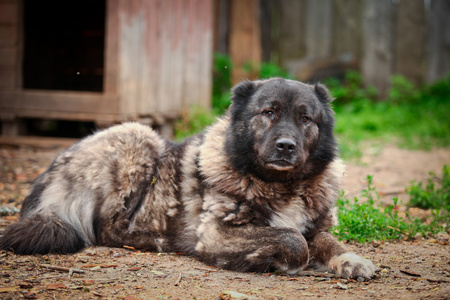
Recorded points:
418,269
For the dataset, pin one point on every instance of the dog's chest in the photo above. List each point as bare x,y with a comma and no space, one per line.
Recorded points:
293,215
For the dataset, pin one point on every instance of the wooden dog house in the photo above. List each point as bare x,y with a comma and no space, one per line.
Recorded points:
105,61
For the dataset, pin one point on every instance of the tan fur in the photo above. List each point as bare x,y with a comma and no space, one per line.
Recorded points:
295,213
350,264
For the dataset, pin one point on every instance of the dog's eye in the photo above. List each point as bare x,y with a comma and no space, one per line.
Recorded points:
270,114
305,120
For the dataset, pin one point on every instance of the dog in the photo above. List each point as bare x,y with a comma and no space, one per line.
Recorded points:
255,192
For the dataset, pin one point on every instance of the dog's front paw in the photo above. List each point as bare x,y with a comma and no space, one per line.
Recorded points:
350,265
242,214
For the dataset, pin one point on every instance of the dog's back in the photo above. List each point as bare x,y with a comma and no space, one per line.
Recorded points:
106,173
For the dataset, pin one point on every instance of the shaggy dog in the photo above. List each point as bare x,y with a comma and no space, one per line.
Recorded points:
255,192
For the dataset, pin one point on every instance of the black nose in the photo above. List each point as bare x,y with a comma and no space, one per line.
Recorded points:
285,146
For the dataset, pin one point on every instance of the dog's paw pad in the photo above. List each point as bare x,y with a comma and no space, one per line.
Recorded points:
350,265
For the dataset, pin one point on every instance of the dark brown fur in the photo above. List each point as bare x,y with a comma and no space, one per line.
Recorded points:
254,192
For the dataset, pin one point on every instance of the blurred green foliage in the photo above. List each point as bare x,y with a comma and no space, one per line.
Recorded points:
410,117
221,81
350,89
193,122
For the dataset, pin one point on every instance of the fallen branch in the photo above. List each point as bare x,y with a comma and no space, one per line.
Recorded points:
316,274
410,273
205,269
437,280
392,191
62,269
177,282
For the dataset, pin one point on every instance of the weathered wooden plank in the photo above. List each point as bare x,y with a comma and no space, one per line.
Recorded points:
269,19
19,46
163,48
9,10
58,101
10,50
201,18
318,32
8,58
39,142
206,52
111,73
178,33
221,25
347,32
292,25
164,97
410,48
378,43
438,40
245,44
8,35
203,32
138,61
191,72
130,38
151,58
7,78
74,116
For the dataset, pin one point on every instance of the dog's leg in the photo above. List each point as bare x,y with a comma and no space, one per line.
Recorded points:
328,254
251,248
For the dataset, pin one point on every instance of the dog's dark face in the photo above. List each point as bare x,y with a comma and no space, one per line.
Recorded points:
280,129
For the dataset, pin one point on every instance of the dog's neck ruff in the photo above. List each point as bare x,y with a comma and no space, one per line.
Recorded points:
222,177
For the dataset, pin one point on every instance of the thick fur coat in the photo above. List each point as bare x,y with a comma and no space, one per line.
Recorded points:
254,192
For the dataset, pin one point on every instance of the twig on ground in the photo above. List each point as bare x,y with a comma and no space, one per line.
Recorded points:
410,273
177,282
62,269
205,269
316,274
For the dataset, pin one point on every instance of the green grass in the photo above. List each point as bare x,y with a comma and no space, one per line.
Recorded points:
410,118
222,67
436,193
193,122
363,221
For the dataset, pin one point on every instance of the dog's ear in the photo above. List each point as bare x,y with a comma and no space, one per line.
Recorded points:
243,90
323,93
240,97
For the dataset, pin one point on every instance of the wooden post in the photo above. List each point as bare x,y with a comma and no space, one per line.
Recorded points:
291,44
378,43
11,44
410,40
245,40
438,40
221,24
319,31
269,15
347,32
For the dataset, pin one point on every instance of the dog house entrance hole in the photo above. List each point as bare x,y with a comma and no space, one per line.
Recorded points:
64,45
